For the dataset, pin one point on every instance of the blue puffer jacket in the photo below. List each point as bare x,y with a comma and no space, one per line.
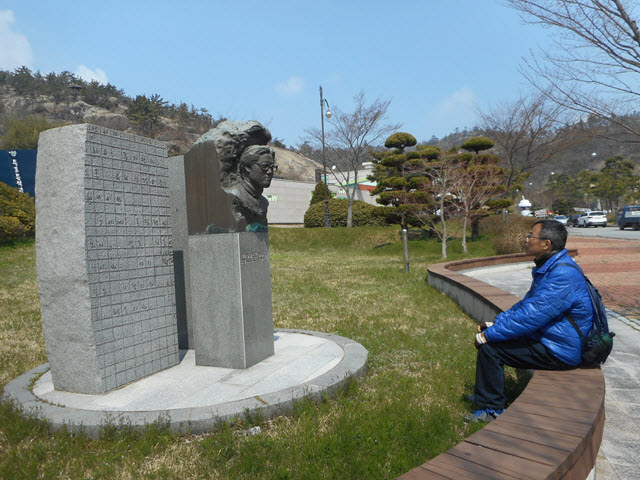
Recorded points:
539,316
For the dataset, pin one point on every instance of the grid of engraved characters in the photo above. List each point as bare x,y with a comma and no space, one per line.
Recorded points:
129,256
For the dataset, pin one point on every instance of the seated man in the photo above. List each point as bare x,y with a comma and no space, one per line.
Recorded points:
535,332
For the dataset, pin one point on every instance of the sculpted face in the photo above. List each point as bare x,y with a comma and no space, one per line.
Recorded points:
261,172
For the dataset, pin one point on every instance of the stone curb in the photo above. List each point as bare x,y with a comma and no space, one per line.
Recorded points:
198,419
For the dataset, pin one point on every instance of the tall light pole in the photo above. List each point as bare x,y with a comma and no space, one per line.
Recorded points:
327,219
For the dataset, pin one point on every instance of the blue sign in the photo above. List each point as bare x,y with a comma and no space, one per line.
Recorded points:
18,169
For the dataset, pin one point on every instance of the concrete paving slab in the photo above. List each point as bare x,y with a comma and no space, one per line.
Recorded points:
194,398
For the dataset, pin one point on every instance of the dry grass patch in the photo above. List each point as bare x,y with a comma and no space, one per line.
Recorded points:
350,282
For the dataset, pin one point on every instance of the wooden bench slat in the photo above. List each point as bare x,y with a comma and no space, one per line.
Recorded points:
592,373
517,447
579,448
454,472
584,389
553,402
561,441
589,406
420,473
500,461
526,420
460,466
578,395
575,380
585,403
556,412
577,383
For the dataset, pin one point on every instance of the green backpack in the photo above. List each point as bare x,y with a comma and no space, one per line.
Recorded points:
597,345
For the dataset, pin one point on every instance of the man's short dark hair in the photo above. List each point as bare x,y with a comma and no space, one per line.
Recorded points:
554,231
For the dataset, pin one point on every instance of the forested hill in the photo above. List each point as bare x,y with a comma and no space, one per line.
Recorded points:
594,141
56,99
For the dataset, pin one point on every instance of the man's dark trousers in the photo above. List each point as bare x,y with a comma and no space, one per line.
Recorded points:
489,390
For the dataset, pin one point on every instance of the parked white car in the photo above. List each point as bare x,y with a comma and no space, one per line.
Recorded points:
592,219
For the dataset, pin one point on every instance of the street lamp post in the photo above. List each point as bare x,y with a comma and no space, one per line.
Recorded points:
327,218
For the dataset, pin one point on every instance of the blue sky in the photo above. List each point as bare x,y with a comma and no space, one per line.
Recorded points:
438,61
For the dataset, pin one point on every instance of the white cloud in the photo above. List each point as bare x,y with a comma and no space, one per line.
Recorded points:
89,75
15,50
292,86
455,110
461,100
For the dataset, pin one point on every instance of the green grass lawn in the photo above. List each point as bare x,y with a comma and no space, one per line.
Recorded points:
351,282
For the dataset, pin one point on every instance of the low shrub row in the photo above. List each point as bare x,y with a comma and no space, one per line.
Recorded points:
17,215
364,214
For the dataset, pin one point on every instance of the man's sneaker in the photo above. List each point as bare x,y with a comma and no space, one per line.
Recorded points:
483,415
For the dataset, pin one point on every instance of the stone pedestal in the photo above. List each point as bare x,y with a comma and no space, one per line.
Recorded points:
231,299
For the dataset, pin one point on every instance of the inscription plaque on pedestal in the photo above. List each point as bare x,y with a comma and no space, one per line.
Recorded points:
231,282
104,257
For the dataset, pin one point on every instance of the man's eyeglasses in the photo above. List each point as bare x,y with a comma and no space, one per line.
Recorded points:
529,235
268,166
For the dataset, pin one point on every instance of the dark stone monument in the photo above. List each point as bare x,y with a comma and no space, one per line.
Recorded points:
230,299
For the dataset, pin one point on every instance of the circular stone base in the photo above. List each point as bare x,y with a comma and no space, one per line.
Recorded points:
191,398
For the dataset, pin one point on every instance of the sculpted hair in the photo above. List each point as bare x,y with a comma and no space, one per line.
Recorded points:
253,153
554,231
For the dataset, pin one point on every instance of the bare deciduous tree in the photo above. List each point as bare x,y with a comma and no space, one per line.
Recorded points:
444,180
480,180
351,138
527,133
594,63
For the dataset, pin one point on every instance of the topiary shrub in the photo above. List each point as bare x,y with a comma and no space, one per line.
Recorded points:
477,144
17,214
400,141
364,214
318,193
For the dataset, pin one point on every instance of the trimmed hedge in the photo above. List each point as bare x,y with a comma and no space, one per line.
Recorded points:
364,214
17,214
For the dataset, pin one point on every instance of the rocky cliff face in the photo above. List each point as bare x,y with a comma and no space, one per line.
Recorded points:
179,140
293,166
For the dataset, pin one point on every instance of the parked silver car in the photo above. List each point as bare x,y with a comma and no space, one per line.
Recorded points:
561,218
592,219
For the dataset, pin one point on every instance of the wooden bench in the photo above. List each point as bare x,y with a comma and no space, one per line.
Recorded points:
553,430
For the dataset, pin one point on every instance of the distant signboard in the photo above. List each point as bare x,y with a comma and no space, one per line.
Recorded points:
18,169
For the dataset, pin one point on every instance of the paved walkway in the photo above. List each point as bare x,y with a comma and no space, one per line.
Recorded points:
614,268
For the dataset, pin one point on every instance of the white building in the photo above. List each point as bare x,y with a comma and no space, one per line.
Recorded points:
289,199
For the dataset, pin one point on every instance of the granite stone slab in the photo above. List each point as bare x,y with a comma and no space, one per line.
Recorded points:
104,258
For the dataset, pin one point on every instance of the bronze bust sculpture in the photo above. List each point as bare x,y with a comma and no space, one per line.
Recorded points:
229,167
256,168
